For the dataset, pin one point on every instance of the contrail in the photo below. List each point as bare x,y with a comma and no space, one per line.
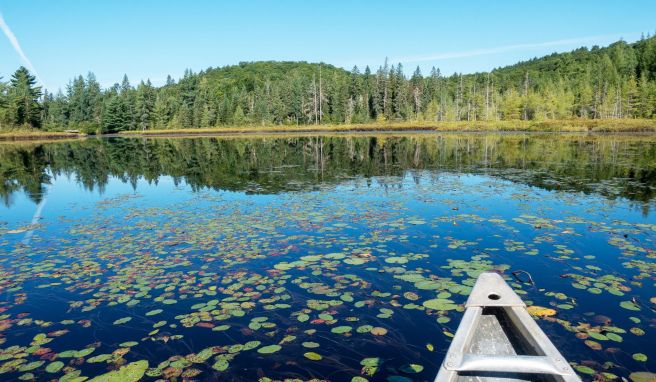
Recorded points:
499,49
14,42
35,218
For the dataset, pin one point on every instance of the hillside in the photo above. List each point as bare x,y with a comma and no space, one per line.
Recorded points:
614,82
618,60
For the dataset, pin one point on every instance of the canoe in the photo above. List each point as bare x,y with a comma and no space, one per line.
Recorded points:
497,340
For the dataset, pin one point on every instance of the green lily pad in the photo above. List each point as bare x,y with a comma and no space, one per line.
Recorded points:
396,260
131,372
269,349
375,361
312,356
221,364
584,369
412,368
364,329
341,329
122,320
615,337
440,304
31,366
598,336
54,367
100,358
640,357
629,305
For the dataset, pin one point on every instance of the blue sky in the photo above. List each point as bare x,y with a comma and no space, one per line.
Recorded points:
153,38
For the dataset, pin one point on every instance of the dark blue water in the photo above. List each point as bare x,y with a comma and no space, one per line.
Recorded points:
197,255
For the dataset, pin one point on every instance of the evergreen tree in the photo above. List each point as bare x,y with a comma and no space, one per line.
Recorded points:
24,96
93,97
77,102
3,102
145,105
115,116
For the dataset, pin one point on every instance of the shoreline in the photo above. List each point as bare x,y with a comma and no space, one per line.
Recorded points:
632,126
18,136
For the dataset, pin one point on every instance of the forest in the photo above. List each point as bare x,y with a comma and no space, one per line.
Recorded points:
614,82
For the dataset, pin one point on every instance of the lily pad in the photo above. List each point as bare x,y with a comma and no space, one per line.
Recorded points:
341,329
643,376
312,356
221,364
629,305
269,349
540,311
440,304
412,368
54,367
396,260
640,357
123,320
131,372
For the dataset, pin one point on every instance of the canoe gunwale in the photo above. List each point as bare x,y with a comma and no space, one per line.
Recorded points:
537,358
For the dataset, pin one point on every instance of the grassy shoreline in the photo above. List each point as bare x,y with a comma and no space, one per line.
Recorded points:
617,126
564,126
33,135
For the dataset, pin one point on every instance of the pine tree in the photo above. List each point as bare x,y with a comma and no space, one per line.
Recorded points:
76,101
417,91
630,99
145,105
3,101
93,96
24,96
115,116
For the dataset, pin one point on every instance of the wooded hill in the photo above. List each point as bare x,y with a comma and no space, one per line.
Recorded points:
618,81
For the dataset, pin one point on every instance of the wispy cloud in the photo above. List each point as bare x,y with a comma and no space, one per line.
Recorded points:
501,49
14,42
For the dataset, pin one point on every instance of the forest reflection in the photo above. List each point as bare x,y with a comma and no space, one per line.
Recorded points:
609,165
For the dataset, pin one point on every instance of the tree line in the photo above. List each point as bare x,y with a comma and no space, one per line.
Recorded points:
618,81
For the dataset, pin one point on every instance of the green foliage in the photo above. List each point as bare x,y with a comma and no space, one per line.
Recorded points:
22,100
618,81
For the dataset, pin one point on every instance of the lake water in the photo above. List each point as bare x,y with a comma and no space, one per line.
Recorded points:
318,258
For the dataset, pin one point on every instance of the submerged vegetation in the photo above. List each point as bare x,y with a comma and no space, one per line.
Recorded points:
318,258
613,83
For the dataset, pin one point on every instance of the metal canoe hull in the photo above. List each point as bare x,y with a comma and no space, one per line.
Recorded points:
497,340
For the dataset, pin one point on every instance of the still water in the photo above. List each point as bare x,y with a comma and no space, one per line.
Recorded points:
341,258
